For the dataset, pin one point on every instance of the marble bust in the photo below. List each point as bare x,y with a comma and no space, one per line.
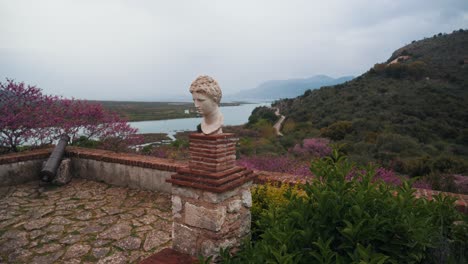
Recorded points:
206,95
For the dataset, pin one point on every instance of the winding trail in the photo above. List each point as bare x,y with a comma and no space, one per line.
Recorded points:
279,123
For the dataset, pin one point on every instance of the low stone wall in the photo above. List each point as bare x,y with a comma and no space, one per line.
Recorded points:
121,175
20,172
18,168
121,169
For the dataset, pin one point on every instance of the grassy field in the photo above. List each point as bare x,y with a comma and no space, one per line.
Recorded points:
143,111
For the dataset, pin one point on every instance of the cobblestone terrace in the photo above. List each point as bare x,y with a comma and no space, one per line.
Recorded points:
82,222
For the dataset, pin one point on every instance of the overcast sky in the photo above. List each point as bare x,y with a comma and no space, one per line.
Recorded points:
150,50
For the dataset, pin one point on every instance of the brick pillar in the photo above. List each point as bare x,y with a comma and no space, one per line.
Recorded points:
211,198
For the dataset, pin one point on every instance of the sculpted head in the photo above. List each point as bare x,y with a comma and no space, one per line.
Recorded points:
207,86
206,95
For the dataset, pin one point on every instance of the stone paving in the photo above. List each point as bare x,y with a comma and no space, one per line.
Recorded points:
82,222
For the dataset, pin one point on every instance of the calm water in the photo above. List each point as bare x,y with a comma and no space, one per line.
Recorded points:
233,115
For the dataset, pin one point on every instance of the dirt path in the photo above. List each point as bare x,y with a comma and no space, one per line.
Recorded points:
277,125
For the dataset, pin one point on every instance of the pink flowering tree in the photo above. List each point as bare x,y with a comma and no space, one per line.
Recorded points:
29,117
25,115
79,118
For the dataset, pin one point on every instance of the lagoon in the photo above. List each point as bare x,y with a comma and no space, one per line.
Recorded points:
233,116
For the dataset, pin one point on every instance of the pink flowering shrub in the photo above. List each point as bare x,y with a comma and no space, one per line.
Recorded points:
313,147
160,153
389,176
301,168
462,183
422,184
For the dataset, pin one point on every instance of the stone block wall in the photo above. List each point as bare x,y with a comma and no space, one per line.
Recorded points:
20,172
204,222
211,198
121,175
121,169
18,168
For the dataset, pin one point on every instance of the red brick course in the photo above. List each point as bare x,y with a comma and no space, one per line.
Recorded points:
212,166
100,155
217,137
213,160
211,155
25,156
219,152
125,158
213,181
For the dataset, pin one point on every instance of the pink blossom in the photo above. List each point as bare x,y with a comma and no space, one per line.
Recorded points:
30,117
314,147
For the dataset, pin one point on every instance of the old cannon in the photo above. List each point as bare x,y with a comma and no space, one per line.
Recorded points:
49,170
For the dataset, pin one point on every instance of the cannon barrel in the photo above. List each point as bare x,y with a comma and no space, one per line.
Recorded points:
49,170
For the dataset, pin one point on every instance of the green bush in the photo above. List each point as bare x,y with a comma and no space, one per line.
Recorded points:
85,142
265,128
147,149
180,143
262,112
395,143
337,131
359,220
442,164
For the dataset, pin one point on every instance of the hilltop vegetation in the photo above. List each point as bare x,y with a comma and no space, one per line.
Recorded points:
409,115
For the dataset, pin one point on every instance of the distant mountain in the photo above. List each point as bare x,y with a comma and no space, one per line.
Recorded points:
276,89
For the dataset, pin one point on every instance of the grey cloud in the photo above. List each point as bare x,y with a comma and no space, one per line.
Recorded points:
147,50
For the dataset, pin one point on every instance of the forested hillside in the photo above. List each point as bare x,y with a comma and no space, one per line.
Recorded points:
409,113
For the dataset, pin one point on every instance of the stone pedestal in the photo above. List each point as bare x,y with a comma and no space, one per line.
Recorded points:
211,198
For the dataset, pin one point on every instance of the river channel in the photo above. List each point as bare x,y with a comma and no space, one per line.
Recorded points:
233,116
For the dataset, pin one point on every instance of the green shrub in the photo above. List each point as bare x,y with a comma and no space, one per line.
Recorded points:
337,131
265,128
396,143
417,69
86,142
336,220
265,197
262,112
147,149
180,143
442,164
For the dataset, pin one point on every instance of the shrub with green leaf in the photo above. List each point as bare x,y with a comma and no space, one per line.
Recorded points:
361,220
